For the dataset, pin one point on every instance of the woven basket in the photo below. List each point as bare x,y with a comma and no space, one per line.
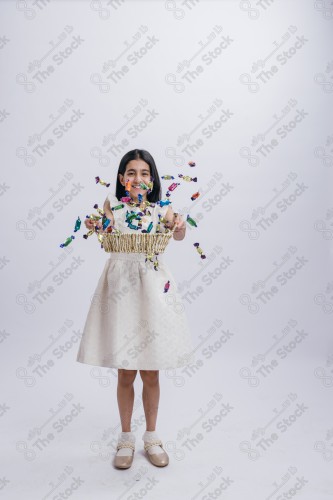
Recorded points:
136,242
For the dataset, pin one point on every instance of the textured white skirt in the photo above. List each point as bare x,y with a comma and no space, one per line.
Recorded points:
132,323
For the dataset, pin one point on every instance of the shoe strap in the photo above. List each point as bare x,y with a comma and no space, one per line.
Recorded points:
125,444
149,444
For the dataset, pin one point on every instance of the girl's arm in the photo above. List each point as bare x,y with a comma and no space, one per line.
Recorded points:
174,219
108,212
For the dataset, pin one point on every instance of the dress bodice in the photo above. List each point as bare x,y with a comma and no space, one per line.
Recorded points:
142,222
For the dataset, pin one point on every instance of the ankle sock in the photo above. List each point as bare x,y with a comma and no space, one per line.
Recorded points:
125,436
150,436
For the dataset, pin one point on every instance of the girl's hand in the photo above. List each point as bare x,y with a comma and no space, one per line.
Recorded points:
179,224
90,224
179,228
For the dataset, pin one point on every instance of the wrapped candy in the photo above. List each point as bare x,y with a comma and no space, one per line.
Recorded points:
187,178
166,286
191,221
85,236
149,228
195,196
118,207
162,203
167,177
173,186
199,250
125,199
99,180
191,163
67,241
105,223
77,224
128,186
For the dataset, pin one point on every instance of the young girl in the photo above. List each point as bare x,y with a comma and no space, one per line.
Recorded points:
137,320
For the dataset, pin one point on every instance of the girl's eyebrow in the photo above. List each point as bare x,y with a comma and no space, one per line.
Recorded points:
132,170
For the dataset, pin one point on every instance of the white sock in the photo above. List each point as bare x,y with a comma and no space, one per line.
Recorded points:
125,436
150,436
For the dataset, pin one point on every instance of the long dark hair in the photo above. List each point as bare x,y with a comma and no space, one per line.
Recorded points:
140,154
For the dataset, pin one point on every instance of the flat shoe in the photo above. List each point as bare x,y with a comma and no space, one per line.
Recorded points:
124,462
158,459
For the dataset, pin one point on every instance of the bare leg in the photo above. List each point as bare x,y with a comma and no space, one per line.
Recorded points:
150,396
125,396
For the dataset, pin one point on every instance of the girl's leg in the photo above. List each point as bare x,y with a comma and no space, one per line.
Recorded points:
150,396
125,396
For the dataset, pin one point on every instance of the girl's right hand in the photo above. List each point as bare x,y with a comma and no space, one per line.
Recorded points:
89,224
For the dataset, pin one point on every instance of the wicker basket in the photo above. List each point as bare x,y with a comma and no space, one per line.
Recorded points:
136,242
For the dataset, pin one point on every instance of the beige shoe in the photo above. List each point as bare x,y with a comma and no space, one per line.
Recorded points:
159,459
124,461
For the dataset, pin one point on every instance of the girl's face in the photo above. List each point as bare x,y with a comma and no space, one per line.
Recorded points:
136,171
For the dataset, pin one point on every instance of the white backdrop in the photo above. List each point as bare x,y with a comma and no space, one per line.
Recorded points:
244,89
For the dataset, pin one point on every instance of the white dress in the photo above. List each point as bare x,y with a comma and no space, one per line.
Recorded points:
132,323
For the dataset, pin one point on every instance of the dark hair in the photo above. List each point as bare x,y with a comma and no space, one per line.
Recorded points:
140,154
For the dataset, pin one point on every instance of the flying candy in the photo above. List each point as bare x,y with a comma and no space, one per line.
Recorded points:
125,199
67,242
166,286
99,180
150,227
191,221
199,250
167,177
150,256
118,207
162,203
195,196
128,186
173,186
77,224
188,178
140,197
191,163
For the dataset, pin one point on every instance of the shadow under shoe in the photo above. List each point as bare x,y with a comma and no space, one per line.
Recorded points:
159,459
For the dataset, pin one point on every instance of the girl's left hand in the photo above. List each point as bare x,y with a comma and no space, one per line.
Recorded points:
179,224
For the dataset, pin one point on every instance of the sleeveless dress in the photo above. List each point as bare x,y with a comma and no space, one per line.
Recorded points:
132,323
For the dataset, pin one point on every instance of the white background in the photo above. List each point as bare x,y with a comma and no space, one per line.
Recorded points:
270,354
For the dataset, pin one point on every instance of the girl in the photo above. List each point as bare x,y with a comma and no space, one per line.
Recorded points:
136,320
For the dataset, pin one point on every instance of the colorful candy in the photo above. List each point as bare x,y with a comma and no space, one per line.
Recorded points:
85,236
118,207
195,196
67,241
173,186
150,258
191,221
166,286
77,224
187,178
199,250
162,203
191,163
106,222
167,177
128,186
99,180
125,199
